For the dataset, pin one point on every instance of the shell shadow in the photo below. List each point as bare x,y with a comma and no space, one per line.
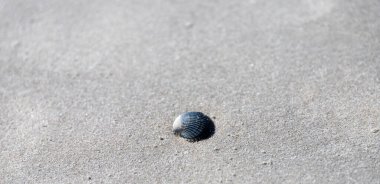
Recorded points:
207,132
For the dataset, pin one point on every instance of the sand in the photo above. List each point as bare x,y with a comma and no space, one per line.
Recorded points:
89,91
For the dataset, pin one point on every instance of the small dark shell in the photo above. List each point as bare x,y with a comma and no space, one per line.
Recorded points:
193,126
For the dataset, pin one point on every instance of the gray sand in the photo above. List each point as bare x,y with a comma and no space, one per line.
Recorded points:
89,90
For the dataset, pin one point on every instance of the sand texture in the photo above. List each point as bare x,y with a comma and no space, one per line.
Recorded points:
89,90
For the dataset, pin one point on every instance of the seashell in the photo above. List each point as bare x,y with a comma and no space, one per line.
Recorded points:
193,126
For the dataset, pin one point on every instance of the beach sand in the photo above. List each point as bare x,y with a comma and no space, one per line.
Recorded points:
89,91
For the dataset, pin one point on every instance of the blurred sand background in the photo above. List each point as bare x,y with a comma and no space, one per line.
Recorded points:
89,91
